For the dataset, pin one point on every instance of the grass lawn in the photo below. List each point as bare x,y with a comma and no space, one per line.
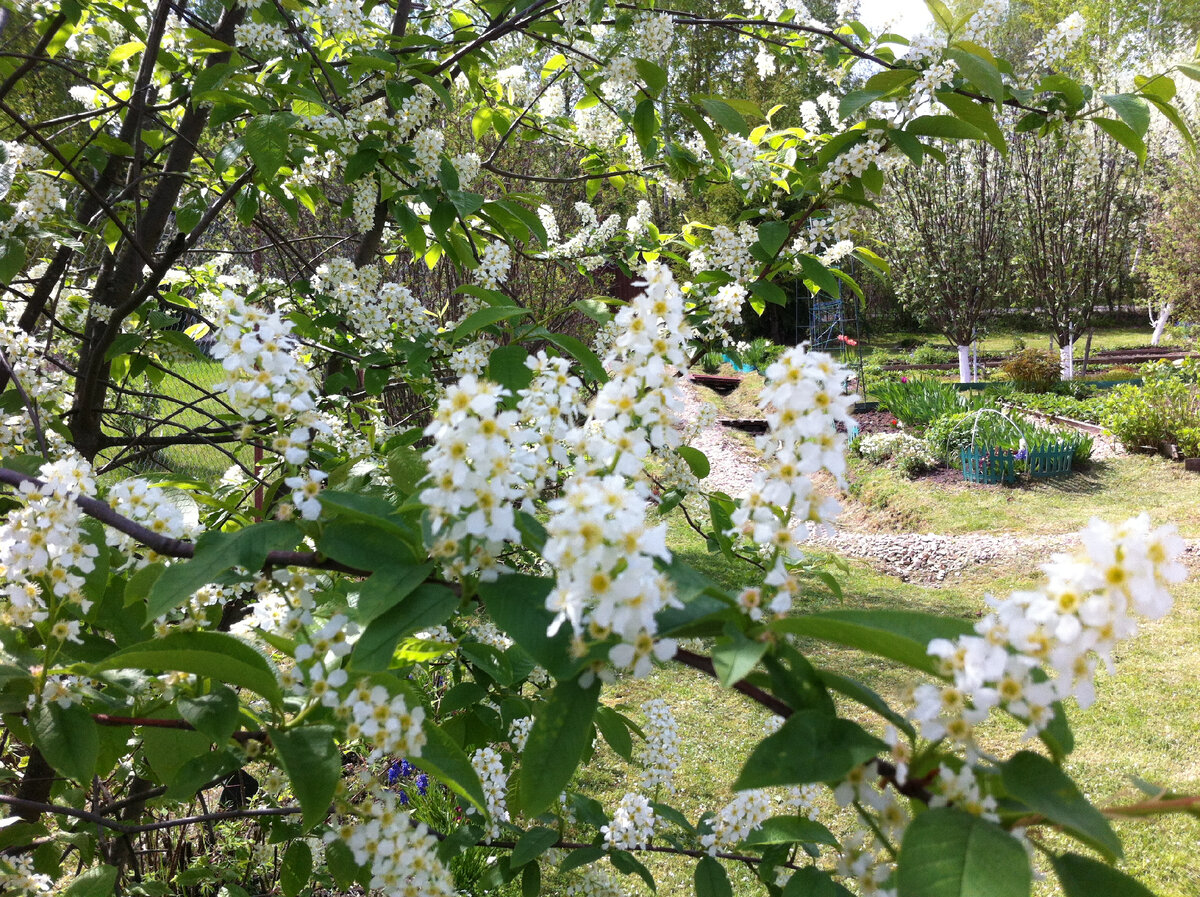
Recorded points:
1145,722
883,499
1001,341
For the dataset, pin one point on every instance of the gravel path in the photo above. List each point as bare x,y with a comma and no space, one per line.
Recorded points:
913,557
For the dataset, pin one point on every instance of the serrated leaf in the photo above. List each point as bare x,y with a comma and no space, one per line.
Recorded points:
562,731
615,732
811,746
68,739
711,879
215,714
296,868
486,317
1044,788
950,853
532,845
1124,135
945,126
1082,876
980,72
790,830
723,113
735,656
99,881
445,759
1133,110
696,460
266,139
430,604
310,757
216,655
903,636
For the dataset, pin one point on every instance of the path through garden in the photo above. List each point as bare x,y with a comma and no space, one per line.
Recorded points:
913,557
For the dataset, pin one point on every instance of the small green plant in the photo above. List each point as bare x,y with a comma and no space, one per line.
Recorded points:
710,362
1158,411
918,401
757,353
1018,344
1033,370
930,355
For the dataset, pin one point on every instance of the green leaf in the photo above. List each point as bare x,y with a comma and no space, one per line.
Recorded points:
941,14
812,882
945,126
696,460
266,139
869,698
1044,788
517,604
12,258
855,100
99,881
811,746
562,731
651,74
735,656
485,317
616,733
772,235
310,757
580,856
790,830
387,587
725,115
296,869
770,292
532,845
1082,876
339,860
814,270
587,359
890,80
217,552
1124,135
367,546
215,714
903,636
506,366
980,72
711,879
221,657
627,864
949,853
446,760
975,114
428,605
1134,110
68,739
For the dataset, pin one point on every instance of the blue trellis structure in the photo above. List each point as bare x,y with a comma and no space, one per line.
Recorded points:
833,328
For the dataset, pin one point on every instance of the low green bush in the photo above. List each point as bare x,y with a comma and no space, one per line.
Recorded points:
947,436
1161,410
1033,370
930,355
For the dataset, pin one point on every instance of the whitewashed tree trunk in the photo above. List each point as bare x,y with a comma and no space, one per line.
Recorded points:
1066,356
1160,324
964,364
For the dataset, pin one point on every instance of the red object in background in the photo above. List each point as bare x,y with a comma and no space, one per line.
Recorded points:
842,338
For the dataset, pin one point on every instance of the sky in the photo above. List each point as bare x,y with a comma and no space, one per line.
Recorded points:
912,16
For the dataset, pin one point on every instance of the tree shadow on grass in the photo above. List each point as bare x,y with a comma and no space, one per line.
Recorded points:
1088,481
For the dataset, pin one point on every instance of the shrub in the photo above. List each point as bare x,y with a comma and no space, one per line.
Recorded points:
1160,410
906,453
711,362
757,353
1034,370
930,355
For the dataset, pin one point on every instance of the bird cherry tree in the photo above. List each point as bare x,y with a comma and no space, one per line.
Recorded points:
330,201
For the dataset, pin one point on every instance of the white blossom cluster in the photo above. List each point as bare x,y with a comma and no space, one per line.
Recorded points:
374,309
598,540
1058,41
494,264
741,155
264,379
659,756
18,876
384,721
471,360
43,541
400,851
982,25
283,604
737,819
632,824
518,732
149,505
595,881
43,197
490,768
728,250
1088,605
589,240
803,400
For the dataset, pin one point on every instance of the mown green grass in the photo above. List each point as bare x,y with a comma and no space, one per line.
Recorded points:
1145,722
1009,340
881,498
